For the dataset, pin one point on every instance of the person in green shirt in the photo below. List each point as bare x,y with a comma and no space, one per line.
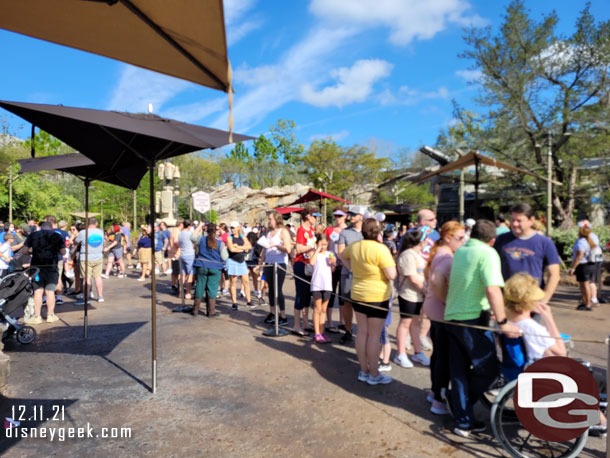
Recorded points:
474,291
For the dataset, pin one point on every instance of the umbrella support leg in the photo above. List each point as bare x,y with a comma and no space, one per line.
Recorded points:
153,286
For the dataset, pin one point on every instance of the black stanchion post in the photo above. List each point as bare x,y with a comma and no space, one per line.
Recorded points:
275,331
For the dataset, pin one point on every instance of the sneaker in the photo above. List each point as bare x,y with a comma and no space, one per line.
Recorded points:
346,338
100,299
379,379
341,327
241,293
131,266
384,367
59,300
408,344
80,302
363,376
33,320
420,358
141,279
321,339
426,345
52,318
583,307
250,305
430,397
283,321
225,292
477,427
439,408
105,276
79,296
234,306
139,266
258,294
121,275
269,319
403,360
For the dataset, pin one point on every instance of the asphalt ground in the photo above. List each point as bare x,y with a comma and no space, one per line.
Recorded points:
225,390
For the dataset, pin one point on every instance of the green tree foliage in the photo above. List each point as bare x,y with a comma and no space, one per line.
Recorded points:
535,82
407,193
338,169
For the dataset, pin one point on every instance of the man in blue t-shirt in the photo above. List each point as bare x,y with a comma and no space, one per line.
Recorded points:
525,250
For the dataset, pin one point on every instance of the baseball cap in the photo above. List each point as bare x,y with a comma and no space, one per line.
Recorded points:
234,224
356,209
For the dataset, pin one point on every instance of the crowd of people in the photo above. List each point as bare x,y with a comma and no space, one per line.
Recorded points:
482,273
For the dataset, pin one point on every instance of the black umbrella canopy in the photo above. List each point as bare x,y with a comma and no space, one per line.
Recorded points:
118,140
84,168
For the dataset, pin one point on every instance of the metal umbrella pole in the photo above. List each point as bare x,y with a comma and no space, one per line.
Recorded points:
153,285
84,281
275,331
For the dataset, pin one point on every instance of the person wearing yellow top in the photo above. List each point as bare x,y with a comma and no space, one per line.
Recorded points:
373,268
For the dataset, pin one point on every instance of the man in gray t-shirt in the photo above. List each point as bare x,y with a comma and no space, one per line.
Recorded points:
95,247
346,237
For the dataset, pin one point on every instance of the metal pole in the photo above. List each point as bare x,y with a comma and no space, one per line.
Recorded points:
86,292
549,188
607,383
191,207
10,192
135,212
277,306
153,285
476,188
462,196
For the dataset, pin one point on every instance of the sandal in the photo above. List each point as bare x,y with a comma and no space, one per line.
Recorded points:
299,333
332,330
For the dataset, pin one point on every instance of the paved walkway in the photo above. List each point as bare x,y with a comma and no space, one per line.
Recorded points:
225,390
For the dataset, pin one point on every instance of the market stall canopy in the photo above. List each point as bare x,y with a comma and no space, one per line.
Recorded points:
474,159
181,38
288,210
84,215
312,195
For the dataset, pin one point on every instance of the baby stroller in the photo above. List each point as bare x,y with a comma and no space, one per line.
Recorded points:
15,290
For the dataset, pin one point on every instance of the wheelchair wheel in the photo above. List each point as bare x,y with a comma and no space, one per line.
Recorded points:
26,335
519,442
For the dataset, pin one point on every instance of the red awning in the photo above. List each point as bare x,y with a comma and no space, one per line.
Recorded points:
312,195
287,210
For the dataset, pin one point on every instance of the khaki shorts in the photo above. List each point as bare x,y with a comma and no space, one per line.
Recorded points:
60,268
94,269
158,257
144,256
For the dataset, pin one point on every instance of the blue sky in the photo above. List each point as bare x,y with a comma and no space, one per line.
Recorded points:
376,72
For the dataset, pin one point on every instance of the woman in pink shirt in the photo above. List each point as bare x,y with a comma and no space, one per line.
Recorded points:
437,274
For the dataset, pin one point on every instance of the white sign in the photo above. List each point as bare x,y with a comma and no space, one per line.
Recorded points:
201,201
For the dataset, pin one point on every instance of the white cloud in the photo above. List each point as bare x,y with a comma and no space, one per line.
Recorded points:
272,86
138,87
408,96
196,111
470,75
407,20
337,136
354,84
236,29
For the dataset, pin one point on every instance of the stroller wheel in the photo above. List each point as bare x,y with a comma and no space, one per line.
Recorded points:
26,335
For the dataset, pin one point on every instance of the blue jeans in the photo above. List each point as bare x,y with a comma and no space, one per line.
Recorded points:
473,366
439,361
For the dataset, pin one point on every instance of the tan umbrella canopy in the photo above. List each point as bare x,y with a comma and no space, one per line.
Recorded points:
181,38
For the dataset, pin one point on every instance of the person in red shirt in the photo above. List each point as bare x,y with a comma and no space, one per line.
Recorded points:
305,247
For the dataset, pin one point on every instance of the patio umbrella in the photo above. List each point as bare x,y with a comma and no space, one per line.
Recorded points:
118,141
181,38
85,169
